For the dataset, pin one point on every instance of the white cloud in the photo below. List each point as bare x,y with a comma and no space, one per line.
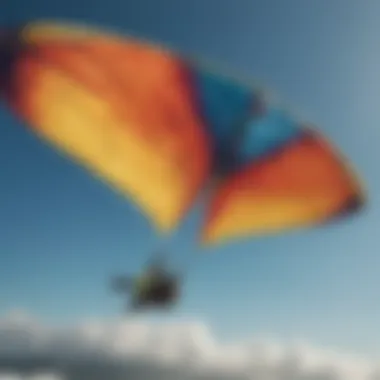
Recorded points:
39,376
186,346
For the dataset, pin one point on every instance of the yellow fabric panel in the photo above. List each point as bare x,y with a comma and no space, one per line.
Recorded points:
122,110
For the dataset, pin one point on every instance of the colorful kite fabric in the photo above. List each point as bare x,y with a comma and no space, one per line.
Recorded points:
160,128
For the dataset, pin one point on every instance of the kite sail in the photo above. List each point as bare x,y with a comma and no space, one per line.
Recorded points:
160,128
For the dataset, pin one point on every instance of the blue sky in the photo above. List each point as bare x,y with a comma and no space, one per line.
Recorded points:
63,233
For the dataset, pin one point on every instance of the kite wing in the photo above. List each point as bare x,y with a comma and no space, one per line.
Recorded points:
123,109
289,176
156,127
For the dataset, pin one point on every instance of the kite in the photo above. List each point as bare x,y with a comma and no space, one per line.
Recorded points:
162,129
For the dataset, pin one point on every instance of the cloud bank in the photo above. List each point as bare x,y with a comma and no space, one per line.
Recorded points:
137,349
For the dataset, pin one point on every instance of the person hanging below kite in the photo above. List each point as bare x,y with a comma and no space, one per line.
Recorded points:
156,286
